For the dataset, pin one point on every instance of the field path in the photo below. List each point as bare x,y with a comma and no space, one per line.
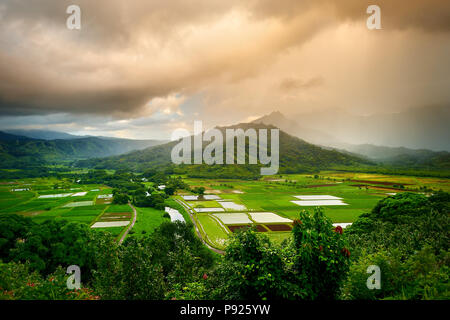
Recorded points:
131,224
199,235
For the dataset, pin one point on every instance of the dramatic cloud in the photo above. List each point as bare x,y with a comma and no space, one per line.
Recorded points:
136,63
290,84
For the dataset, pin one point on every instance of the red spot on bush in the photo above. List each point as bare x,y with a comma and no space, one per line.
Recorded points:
205,276
346,252
338,229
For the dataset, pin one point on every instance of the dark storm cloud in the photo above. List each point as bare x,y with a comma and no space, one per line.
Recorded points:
429,15
130,52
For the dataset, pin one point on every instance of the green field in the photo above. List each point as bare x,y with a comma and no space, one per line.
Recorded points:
148,219
276,196
275,193
204,204
269,194
28,203
212,231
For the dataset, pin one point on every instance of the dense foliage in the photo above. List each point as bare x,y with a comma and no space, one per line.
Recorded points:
322,257
408,237
311,267
405,235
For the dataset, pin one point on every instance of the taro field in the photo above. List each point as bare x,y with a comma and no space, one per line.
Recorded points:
271,204
43,199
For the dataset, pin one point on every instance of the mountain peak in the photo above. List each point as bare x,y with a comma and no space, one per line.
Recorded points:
276,113
272,118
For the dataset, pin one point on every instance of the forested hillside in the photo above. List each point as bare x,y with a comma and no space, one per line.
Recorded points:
296,156
19,152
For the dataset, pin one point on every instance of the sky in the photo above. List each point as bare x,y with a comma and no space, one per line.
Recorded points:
141,69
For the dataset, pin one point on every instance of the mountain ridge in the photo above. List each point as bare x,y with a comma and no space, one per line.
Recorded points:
22,151
296,156
397,156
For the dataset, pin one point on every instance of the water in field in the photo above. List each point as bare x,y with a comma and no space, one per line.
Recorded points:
202,210
317,197
105,196
51,196
233,218
79,204
232,206
174,214
343,225
110,224
79,194
318,203
268,217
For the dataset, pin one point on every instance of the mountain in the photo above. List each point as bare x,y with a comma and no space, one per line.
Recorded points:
11,137
21,152
386,154
292,127
401,157
396,156
296,156
42,134
415,128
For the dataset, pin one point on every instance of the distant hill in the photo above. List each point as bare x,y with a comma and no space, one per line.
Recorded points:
296,156
415,128
390,154
11,137
21,152
401,157
42,134
395,156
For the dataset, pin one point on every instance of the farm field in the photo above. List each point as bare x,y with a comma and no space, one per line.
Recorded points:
342,199
48,198
254,202
148,219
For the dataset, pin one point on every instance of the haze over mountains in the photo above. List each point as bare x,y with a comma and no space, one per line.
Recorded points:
327,129
417,128
433,131
42,134
21,151
425,128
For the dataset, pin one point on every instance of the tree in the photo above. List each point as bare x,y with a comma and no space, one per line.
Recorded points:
169,190
121,198
252,268
408,237
13,228
322,259
199,190
19,282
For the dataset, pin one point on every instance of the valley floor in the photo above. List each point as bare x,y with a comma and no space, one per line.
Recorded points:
343,196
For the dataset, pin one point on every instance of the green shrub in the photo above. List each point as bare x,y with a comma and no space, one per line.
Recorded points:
422,276
19,282
322,257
